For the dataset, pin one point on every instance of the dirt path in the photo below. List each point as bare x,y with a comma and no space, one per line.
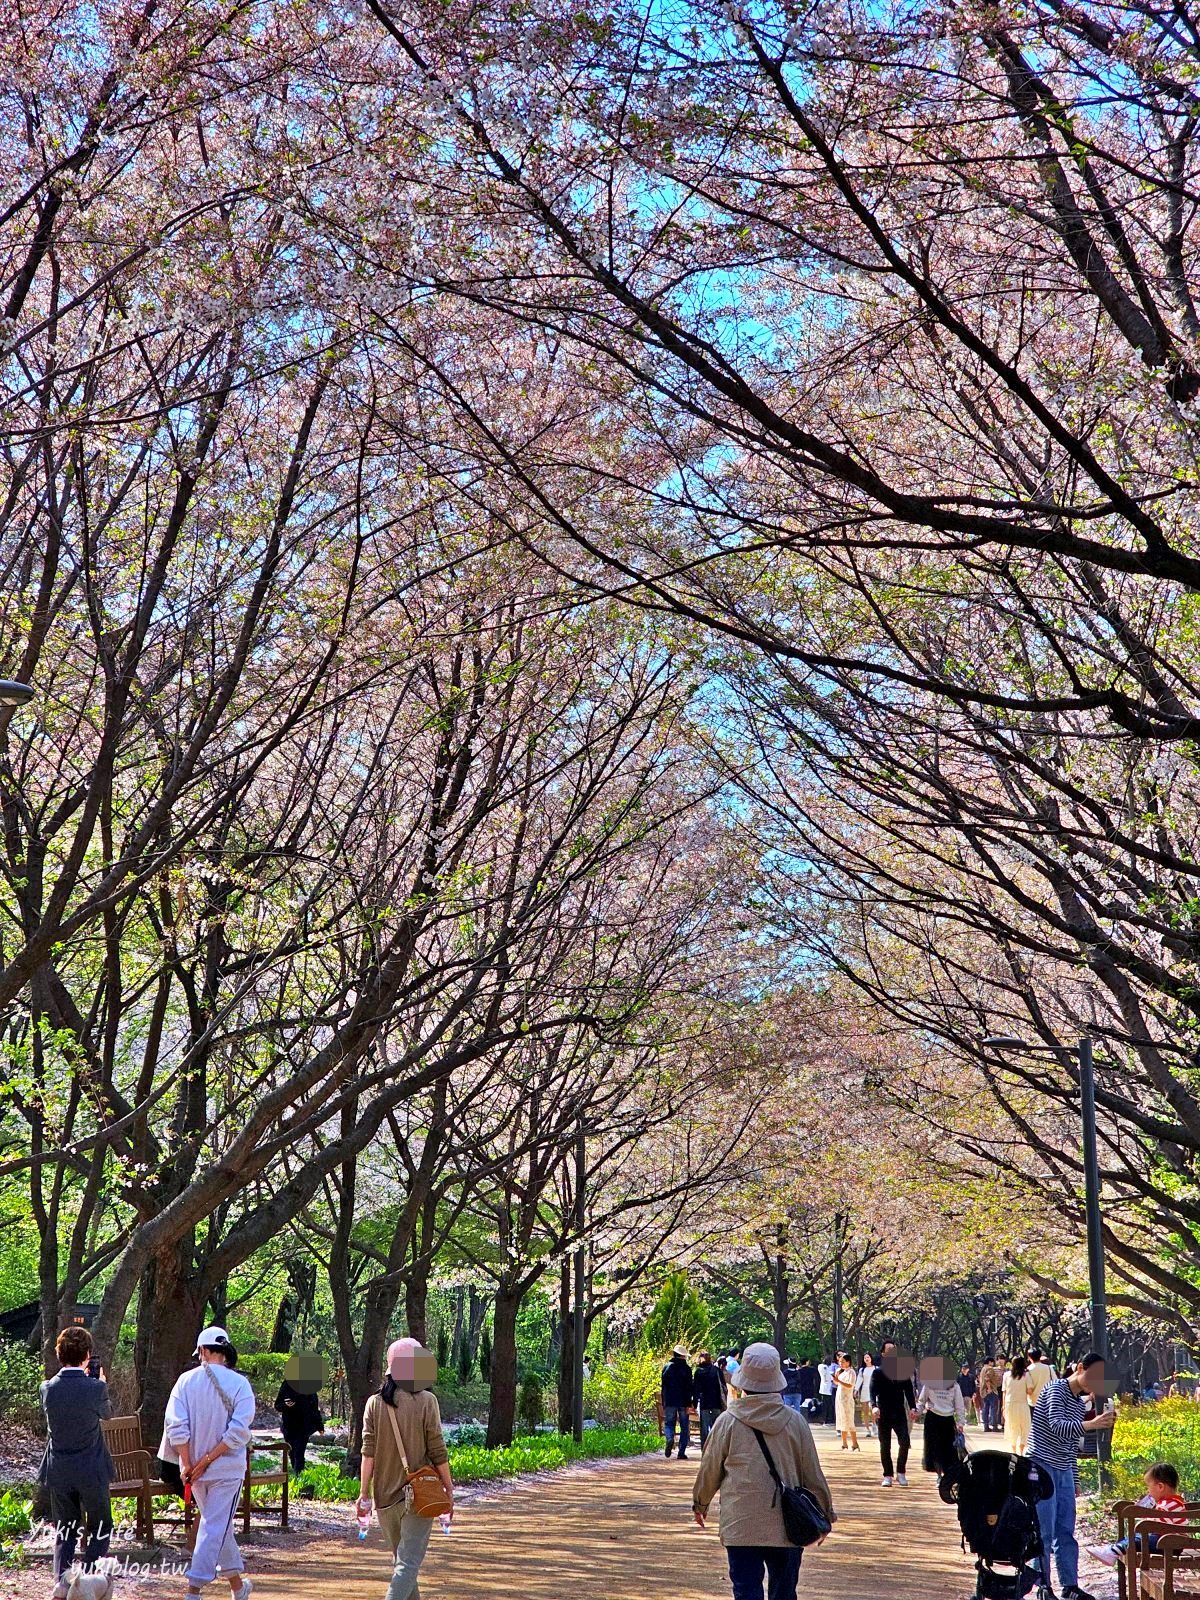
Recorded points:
624,1532
606,1531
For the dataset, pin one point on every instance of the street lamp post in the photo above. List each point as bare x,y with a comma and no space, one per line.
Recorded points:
580,1278
13,693
1098,1304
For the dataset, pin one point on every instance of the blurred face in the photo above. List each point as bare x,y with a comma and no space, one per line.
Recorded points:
307,1372
415,1370
936,1369
1095,1382
897,1364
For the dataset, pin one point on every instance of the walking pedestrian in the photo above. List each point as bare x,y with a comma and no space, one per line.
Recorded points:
677,1401
941,1403
1056,1438
402,1432
1016,1407
299,1417
966,1387
825,1372
1002,1368
894,1407
791,1375
844,1380
209,1417
734,1466
989,1396
1039,1374
77,1469
863,1391
810,1381
708,1393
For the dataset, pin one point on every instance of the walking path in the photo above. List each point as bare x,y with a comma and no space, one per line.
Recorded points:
624,1531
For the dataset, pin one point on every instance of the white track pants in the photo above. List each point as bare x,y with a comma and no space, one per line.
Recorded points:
215,1544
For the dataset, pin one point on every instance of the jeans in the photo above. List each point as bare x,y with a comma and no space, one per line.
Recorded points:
793,1400
889,1424
746,1565
1151,1540
707,1418
991,1413
408,1536
71,1510
671,1416
1056,1519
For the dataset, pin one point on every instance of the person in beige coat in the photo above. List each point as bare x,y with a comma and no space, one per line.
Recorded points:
406,1406
733,1466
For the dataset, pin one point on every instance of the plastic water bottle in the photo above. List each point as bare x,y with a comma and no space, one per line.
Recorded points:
444,1519
364,1520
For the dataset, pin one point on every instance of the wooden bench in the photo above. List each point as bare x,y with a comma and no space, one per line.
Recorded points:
257,1480
1178,1578
1132,1519
131,1461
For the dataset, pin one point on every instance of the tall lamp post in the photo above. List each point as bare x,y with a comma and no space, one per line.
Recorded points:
1084,1055
580,1277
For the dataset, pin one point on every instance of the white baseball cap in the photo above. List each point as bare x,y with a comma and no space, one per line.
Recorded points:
211,1338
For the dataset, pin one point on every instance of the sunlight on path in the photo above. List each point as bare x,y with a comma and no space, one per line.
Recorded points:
624,1532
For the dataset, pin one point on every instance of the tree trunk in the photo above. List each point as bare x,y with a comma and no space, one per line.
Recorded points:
502,1406
416,1298
566,1357
170,1315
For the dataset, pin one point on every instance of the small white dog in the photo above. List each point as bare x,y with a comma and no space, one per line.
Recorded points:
89,1585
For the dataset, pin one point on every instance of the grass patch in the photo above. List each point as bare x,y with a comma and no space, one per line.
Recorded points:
472,1462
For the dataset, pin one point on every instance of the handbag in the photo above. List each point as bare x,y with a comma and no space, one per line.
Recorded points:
804,1522
424,1490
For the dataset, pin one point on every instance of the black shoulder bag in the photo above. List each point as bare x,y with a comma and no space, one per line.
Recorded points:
803,1520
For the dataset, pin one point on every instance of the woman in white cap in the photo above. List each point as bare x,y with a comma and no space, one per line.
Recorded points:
207,1428
734,1466
402,1430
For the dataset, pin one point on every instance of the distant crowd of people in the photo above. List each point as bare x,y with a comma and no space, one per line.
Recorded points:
1021,1398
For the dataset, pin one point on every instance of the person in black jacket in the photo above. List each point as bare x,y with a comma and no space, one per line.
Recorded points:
708,1393
677,1400
894,1407
299,1418
808,1380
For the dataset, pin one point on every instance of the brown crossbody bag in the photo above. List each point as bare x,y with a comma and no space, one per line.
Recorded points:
424,1490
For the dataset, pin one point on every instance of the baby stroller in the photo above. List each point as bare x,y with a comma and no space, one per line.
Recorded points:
997,1497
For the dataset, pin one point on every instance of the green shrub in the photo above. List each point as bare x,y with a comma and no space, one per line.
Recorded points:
1165,1430
623,1392
264,1369
470,1433
531,1404
21,1377
679,1317
327,1481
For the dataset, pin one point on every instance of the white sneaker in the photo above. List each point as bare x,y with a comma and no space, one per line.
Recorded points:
886,1484
902,1480
244,1592
1103,1552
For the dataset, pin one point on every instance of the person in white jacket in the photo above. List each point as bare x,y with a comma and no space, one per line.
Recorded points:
207,1428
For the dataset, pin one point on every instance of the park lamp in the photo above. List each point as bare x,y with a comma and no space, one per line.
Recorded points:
13,693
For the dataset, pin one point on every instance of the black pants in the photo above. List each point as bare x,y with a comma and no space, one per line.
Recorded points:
827,1409
893,1422
297,1445
746,1566
72,1509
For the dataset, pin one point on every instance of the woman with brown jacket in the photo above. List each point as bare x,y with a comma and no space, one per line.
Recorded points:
405,1406
734,1467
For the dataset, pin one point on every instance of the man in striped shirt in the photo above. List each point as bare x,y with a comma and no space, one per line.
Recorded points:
1055,1439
